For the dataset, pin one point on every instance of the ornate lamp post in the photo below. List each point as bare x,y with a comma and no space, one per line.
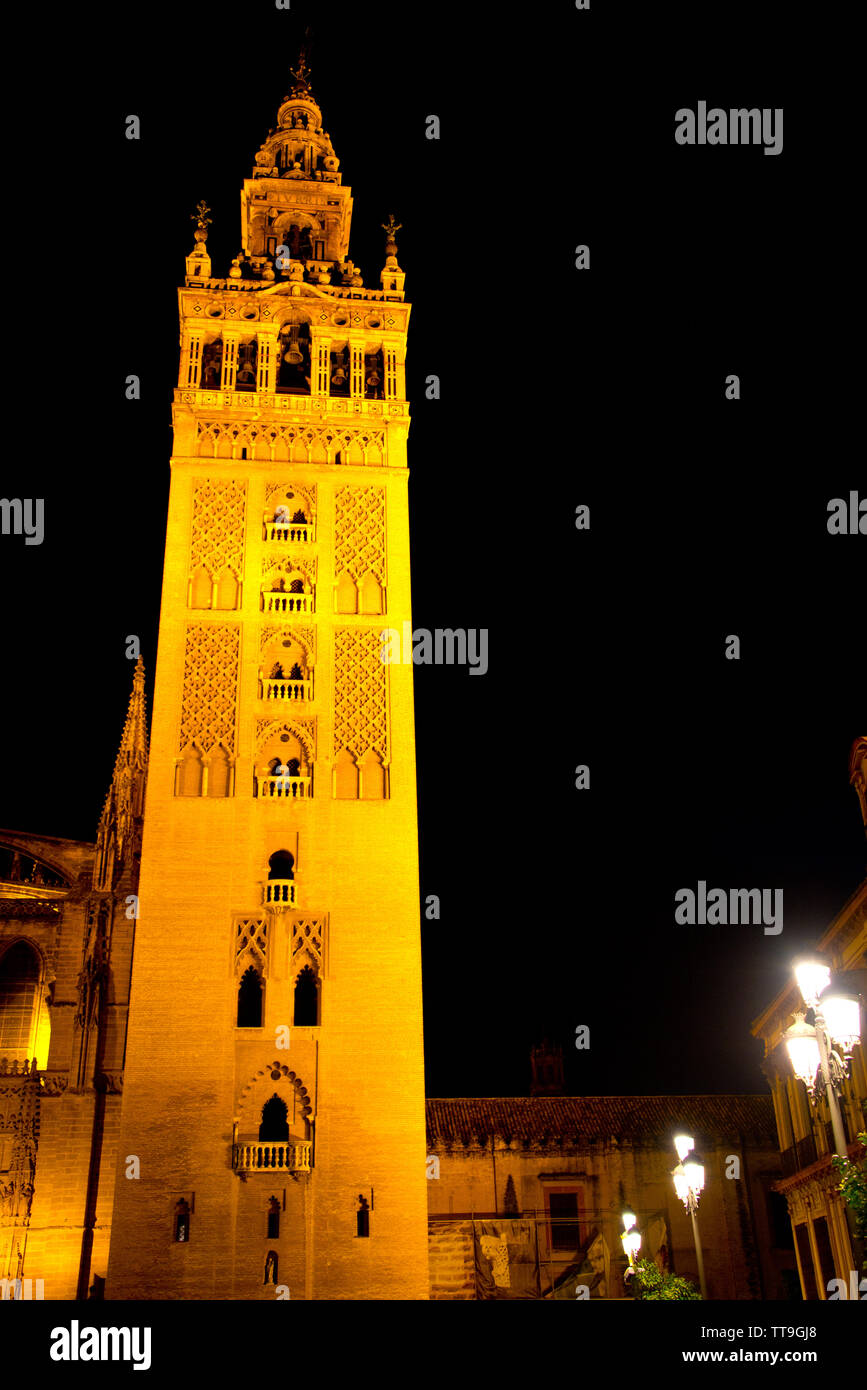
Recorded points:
689,1184
821,1054
630,1239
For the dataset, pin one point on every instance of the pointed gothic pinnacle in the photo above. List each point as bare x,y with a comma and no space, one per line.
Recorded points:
134,739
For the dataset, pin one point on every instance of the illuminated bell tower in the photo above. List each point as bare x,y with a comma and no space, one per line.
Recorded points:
273,1127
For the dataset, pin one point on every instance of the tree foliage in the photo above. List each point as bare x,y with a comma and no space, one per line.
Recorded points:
853,1186
652,1283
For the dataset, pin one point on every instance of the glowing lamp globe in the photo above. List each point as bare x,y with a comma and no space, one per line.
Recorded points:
803,1051
683,1143
693,1169
842,1014
631,1240
812,975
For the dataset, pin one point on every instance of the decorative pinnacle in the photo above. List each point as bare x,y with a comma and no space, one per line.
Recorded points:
391,228
301,74
201,217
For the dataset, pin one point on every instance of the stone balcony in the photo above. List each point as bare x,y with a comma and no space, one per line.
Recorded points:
280,892
289,532
285,786
287,688
263,1156
277,601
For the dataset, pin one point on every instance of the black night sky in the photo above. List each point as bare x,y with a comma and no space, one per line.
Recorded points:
559,387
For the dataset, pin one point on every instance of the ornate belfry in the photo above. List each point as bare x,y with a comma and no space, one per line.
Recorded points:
274,1064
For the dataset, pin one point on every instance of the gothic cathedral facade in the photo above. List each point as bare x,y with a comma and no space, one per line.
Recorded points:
272,1139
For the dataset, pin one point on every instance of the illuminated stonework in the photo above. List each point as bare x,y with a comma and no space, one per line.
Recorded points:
281,834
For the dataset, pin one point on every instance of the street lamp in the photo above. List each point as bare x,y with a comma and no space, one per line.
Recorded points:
630,1239
815,1059
689,1184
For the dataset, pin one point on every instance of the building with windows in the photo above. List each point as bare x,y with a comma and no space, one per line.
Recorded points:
823,1237
67,922
237,1111
527,1195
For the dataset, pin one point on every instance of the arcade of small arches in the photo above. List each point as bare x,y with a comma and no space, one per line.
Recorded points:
289,591
283,770
291,443
286,365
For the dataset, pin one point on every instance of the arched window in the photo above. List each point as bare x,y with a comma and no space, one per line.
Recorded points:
306,999
226,592
212,364
271,1267
293,354
281,865
372,777
345,776
340,372
370,595
218,772
250,999
245,379
19,1002
190,772
275,1123
201,589
346,596
373,376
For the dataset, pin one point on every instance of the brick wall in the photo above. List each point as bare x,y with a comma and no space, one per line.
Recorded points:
452,1267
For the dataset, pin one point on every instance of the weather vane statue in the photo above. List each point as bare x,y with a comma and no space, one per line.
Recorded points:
301,74
202,218
391,228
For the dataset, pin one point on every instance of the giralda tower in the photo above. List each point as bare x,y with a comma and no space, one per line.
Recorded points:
272,1135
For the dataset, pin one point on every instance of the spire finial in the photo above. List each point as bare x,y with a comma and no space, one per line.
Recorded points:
391,228
301,74
202,217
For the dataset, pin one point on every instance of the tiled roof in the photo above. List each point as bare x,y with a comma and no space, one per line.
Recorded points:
589,1119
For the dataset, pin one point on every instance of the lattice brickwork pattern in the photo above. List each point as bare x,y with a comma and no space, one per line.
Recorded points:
359,532
210,689
307,933
251,942
360,693
218,525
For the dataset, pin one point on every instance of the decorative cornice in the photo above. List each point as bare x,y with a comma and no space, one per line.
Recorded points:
54,1084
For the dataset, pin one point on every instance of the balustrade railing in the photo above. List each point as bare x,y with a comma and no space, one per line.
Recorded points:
280,892
279,602
289,1157
284,786
292,532
288,688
